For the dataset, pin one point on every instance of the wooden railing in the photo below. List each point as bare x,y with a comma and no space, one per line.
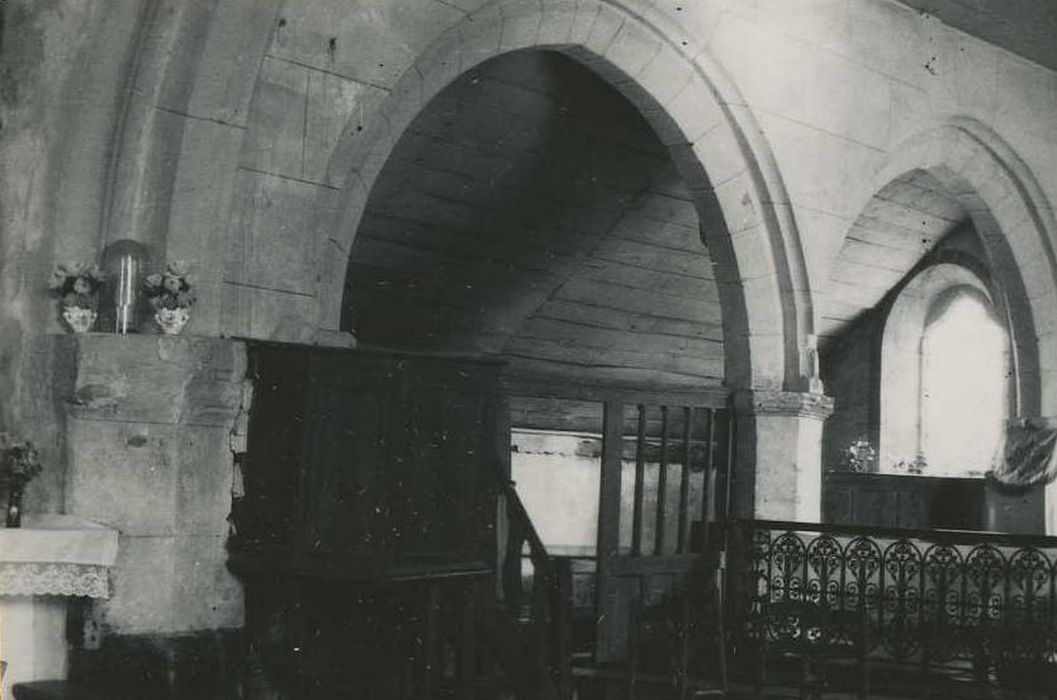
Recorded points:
648,569
675,640
943,604
692,449
547,618
659,600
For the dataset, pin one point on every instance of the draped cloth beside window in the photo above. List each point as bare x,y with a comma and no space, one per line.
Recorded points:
1026,455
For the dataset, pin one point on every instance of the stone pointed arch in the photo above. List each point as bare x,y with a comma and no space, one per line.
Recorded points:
697,114
1016,225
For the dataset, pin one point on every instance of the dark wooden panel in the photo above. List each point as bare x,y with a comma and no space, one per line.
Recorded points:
272,468
438,488
373,457
903,501
345,447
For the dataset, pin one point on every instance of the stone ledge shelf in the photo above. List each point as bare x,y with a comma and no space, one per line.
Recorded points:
43,563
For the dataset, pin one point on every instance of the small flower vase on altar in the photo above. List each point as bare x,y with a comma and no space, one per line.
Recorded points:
859,456
170,294
16,492
77,285
18,464
172,321
80,319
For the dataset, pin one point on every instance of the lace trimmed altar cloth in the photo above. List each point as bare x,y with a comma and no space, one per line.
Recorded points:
56,555
42,564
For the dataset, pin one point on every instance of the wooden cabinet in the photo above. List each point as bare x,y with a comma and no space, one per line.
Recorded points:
368,524
368,463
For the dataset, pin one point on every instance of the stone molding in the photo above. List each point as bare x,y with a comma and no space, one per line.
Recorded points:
769,402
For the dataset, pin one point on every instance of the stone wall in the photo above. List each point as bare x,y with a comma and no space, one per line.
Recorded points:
199,156
148,429
46,213
883,73
170,122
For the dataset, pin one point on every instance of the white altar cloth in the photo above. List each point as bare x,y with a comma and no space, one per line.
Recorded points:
47,560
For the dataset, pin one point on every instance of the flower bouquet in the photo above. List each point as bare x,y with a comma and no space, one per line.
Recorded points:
19,463
77,286
859,456
171,297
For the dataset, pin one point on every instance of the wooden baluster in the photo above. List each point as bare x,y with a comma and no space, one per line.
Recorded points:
662,485
467,661
513,584
258,595
683,545
563,622
720,591
431,640
708,496
502,462
634,610
640,476
541,626
724,511
298,620
683,662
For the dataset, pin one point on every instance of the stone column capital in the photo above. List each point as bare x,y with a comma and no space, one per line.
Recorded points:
770,402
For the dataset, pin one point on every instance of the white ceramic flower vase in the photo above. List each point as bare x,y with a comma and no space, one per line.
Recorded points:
172,321
78,318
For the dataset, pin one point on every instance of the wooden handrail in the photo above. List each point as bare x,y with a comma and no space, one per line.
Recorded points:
550,616
541,561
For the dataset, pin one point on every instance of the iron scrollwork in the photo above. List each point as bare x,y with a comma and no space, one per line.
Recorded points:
928,598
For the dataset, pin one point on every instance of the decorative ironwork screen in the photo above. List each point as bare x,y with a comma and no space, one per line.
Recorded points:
931,597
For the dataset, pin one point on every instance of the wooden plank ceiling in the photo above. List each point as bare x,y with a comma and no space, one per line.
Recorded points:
530,212
899,226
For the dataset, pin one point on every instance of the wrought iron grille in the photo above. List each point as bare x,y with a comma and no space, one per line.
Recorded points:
932,597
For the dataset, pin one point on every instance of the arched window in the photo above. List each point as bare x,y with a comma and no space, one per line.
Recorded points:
963,385
944,375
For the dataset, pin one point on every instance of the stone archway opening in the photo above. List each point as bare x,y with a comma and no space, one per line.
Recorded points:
529,211
955,210
723,159
921,225
696,113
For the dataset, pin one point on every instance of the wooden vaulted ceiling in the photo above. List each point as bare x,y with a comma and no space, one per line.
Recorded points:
902,223
530,212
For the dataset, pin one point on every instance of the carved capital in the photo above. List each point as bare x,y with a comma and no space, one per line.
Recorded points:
766,402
